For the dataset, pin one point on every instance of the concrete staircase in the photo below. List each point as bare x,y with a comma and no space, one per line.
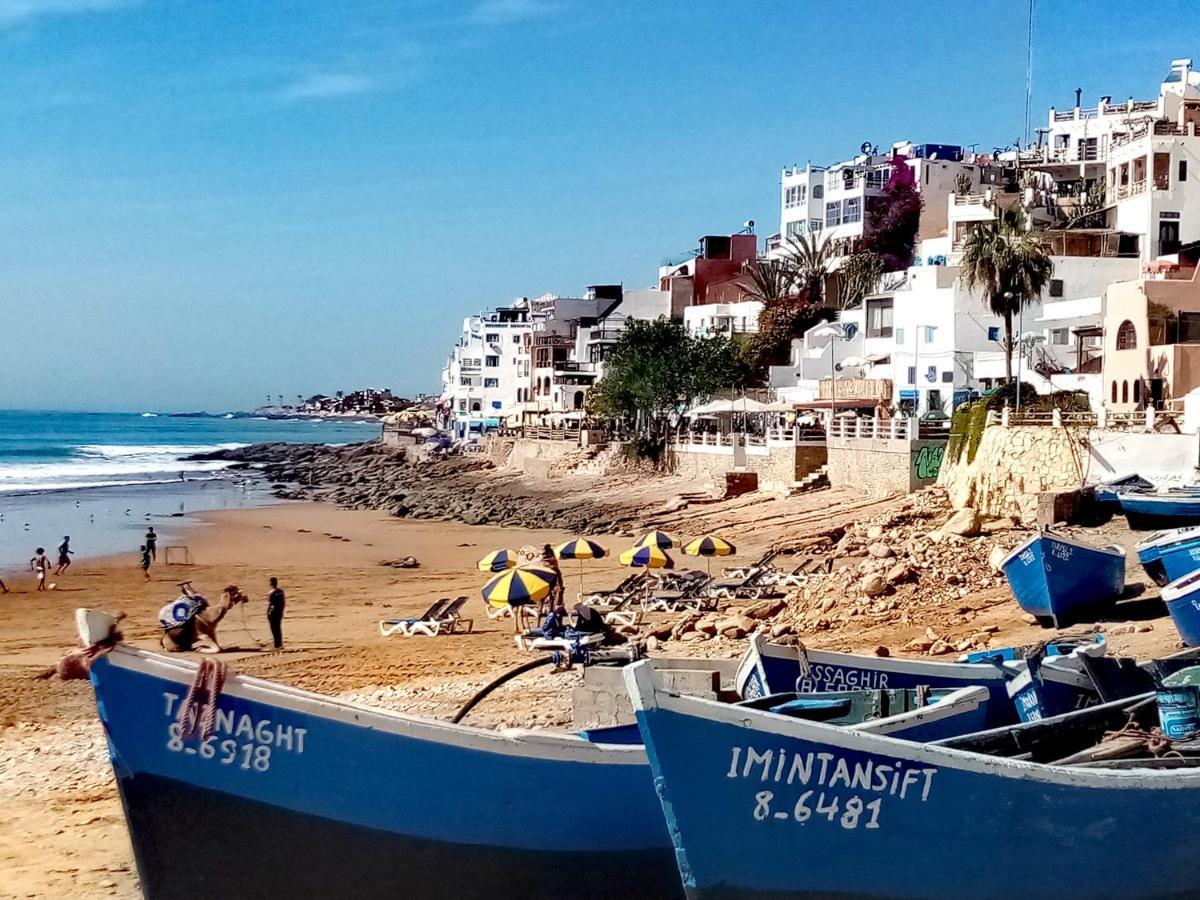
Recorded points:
813,481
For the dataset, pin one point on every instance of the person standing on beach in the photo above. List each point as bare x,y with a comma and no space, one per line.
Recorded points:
550,561
40,564
146,561
275,603
152,543
64,555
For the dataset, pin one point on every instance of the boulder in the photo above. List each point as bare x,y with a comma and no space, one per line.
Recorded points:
898,573
765,609
879,550
875,532
781,629
964,523
735,626
873,585
996,558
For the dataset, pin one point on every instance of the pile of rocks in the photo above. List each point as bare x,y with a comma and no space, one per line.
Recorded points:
463,488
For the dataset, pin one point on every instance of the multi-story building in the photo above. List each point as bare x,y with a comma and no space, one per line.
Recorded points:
487,373
701,276
836,201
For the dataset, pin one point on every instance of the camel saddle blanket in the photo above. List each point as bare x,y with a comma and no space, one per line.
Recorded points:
180,611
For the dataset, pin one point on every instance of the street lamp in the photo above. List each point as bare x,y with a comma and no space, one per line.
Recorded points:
834,331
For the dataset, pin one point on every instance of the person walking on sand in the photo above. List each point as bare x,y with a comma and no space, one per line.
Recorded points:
275,603
64,555
40,565
152,543
146,561
550,561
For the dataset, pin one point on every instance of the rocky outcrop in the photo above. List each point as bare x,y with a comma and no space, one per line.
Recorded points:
469,489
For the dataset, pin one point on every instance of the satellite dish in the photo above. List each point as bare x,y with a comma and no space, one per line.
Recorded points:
865,147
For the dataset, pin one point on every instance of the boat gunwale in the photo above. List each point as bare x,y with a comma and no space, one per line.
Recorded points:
1115,550
647,696
562,747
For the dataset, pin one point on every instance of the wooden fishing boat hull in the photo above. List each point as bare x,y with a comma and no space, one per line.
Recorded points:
1051,687
297,795
1169,555
765,806
1056,577
1146,510
775,668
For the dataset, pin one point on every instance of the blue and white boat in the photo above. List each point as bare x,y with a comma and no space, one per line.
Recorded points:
763,806
911,714
1161,509
1169,555
1182,598
769,668
1051,687
1063,579
299,795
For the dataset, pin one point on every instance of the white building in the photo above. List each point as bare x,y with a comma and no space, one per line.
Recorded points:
487,373
723,318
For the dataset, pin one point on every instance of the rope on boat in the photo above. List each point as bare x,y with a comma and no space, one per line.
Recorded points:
198,712
77,664
1132,739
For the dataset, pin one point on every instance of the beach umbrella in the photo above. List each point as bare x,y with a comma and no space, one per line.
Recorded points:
498,561
646,556
580,549
709,546
659,539
519,586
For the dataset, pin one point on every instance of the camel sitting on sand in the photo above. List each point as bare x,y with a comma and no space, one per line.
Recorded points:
199,633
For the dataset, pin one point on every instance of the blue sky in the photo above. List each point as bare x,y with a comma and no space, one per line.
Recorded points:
203,202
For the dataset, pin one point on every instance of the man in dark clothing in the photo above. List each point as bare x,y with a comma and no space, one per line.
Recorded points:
152,543
275,601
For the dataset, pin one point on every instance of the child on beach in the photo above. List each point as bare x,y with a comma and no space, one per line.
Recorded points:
64,555
146,562
40,564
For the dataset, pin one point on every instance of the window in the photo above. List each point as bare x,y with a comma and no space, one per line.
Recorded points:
1114,392
516,339
1137,392
912,374
1060,336
1189,328
491,382
794,196
947,378
876,177
993,333
899,335
1056,287
1124,391
465,381
814,225
985,383
1183,170
476,406
492,361
927,334
818,192
795,229
492,337
833,213
853,210
462,404
879,318
1126,338
496,404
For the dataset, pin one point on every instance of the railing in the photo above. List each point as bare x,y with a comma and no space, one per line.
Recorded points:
1124,191
970,199
606,334
794,436
873,428
546,433
1144,127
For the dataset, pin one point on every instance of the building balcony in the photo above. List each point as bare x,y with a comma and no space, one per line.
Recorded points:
1125,191
1144,128
605,335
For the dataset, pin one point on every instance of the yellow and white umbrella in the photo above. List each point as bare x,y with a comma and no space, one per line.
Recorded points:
646,557
498,561
580,549
659,539
519,586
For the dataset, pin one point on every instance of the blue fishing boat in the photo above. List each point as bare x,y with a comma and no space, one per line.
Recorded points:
762,806
1050,687
1062,579
1147,510
1169,555
1107,493
768,668
298,795
1182,598
912,714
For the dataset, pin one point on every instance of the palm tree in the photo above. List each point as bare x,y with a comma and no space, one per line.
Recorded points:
772,281
1010,264
810,255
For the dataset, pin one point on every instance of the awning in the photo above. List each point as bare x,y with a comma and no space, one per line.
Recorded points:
740,405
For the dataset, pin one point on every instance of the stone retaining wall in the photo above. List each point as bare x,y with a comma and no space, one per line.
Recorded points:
881,467
777,468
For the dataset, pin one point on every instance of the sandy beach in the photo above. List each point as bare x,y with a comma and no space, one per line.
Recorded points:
61,828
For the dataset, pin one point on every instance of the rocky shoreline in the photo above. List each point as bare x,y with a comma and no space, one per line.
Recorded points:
469,489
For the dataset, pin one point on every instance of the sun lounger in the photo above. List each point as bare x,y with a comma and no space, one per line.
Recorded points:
630,586
447,621
744,588
622,615
388,627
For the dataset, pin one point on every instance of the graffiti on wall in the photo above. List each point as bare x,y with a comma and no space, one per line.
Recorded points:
928,462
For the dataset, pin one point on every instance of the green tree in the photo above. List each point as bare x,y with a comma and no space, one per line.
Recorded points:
860,275
1010,265
657,368
811,256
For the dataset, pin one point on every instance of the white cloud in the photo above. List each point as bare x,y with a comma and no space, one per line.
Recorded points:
19,12
324,85
504,12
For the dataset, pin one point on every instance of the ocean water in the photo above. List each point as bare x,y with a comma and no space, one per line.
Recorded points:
103,477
